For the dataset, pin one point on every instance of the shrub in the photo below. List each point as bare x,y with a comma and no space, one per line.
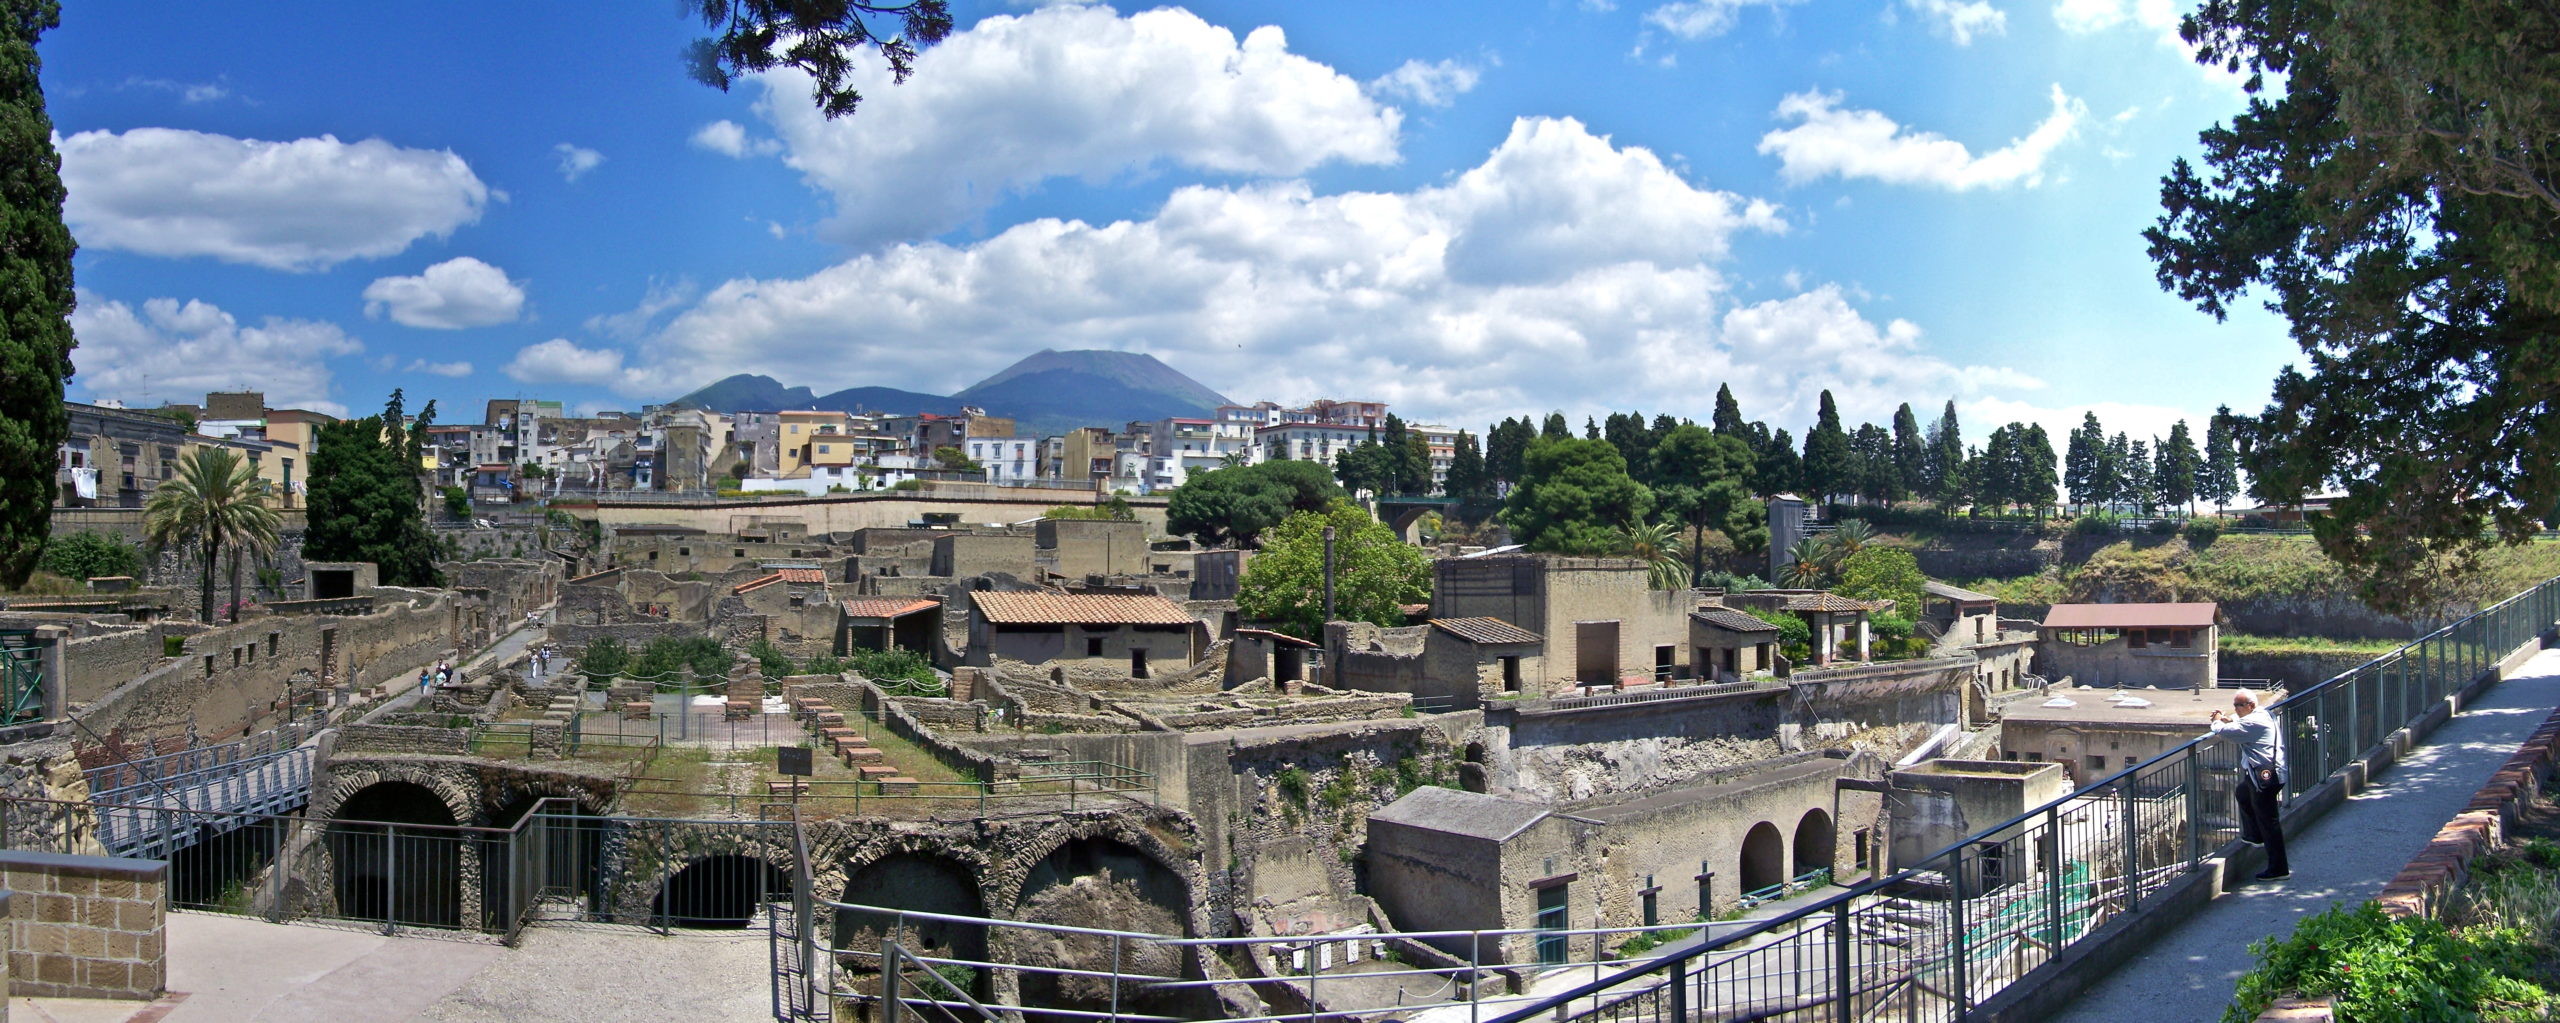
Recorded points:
769,658
909,484
603,659
2097,523
173,646
892,666
665,654
2164,527
1293,784
2385,970
2201,532
1795,637
88,554
457,503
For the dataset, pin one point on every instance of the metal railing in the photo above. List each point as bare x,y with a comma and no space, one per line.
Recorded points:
21,676
938,967
553,862
1932,941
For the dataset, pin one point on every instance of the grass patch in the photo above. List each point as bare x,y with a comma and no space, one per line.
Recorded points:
2283,646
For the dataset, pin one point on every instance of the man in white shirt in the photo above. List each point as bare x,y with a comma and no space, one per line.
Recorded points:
2262,777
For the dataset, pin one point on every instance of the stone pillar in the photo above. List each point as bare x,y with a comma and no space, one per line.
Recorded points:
1863,640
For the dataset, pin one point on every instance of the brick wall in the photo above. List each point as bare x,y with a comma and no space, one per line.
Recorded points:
86,926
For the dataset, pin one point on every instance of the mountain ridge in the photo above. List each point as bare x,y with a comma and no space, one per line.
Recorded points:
1047,392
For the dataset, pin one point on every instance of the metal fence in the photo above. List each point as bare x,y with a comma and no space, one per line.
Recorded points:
552,862
1930,942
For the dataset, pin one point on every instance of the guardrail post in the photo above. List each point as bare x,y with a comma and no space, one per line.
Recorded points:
391,879
2195,804
2132,849
1115,976
1843,979
889,970
1956,937
2053,874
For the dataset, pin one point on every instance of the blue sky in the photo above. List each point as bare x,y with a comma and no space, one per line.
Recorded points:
1469,210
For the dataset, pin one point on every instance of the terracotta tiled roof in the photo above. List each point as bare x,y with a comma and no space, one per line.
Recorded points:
888,607
1038,608
1731,620
1487,631
752,585
803,575
1831,602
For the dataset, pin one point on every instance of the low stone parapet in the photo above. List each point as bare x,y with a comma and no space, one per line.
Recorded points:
86,926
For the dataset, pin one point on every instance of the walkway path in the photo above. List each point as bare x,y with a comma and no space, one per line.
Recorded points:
224,969
507,648
2346,856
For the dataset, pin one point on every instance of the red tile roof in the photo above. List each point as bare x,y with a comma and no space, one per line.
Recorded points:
888,607
753,585
802,575
1040,608
2129,616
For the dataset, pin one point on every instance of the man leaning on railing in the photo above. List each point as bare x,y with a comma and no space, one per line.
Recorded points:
2261,777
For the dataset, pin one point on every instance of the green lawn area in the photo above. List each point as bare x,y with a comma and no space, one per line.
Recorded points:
2243,643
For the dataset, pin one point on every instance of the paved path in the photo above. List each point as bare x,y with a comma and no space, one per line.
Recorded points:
507,648
224,969
2346,856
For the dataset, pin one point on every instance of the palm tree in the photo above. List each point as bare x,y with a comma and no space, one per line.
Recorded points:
1814,559
1658,545
216,499
1851,536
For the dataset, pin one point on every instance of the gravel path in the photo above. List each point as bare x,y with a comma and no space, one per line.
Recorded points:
571,974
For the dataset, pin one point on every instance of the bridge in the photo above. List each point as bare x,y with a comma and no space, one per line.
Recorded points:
144,808
1403,513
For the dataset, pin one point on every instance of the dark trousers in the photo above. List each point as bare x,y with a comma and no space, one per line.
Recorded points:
2258,816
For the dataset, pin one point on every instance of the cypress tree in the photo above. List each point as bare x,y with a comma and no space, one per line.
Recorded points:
35,294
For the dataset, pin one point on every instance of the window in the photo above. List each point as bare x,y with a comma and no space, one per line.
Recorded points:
1093,646
1863,843
2181,638
2097,766
2136,638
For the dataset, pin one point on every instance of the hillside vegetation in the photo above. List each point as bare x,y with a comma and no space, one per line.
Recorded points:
2234,569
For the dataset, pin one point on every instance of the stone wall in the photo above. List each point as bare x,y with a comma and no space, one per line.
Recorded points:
404,739
86,926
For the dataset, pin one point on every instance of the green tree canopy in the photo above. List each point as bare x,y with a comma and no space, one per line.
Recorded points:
1574,496
1234,506
2391,188
89,554
366,498
1877,572
2221,479
1829,468
820,37
35,294
1373,575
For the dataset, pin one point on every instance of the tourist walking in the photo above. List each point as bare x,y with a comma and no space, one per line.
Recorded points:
424,676
2262,777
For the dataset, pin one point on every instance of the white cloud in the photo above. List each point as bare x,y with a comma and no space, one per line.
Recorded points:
576,161
1828,140
1961,20
177,351
631,323
1069,91
1432,85
308,204
457,293
729,138
560,361
190,92
2157,18
1701,19
442,369
1563,271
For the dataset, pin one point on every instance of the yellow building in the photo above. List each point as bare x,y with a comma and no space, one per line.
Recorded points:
801,435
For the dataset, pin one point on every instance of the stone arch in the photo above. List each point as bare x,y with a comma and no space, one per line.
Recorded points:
918,880
641,858
1814,837
1105,879
460,795
378,872
723,891
1764,857
567,843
